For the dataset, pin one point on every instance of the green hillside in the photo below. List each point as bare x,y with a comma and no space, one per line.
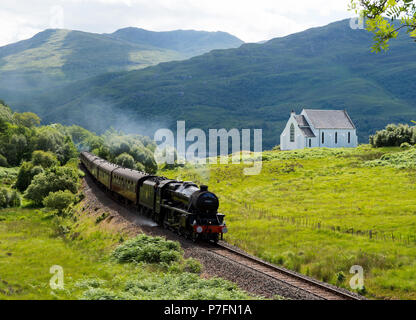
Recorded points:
255,85
55,58
190,43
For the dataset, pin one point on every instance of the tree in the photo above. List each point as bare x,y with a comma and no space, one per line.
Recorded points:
140,167
44,159
394,135
59,200
9,199
52,180
125,160
52,138
16,149
3,161
24,176
26,119
376,11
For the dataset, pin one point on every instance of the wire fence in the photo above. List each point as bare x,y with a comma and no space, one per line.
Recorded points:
317,224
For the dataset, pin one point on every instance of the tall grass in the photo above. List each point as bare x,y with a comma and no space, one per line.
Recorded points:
312,211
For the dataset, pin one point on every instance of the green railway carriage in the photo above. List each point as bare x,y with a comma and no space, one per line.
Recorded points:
126,183
104,173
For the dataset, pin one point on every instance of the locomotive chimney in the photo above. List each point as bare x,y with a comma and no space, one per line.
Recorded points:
204,188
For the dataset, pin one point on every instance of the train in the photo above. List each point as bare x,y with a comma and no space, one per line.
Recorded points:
180,206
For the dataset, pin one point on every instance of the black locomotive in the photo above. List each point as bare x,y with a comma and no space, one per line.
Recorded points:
176,205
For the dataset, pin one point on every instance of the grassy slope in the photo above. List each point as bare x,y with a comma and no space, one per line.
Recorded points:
31,242
257,85
275,215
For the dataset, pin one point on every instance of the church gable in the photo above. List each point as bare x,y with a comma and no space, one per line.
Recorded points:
319,128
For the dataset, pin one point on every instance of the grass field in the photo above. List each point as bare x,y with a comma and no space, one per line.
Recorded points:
32,241
322,211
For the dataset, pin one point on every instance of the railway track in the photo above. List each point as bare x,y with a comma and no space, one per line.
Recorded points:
313,287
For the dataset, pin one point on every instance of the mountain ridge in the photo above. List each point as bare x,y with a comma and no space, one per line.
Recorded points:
57,57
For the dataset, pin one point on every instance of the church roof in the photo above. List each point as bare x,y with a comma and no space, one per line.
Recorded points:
307,132
304,126
301,120
329,119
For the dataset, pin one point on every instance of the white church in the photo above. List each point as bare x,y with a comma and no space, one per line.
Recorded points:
319,129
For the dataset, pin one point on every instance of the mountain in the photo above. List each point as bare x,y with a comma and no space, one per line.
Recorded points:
253,86
189,43
57,57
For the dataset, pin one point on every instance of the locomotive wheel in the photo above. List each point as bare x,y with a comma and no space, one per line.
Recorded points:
194,237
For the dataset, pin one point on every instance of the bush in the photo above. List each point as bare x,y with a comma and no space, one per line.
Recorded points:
140,167
3,161
125,160
15,200
405,145
393,136
59,200
44,159
148,249
399,160
4,198
52,180
193,266
101,294
25,175
9,199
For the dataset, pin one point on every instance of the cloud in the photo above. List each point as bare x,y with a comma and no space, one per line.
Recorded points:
251,21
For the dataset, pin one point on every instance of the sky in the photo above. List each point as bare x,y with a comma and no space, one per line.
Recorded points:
251,21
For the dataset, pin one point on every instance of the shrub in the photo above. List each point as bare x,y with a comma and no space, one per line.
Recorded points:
59,200
3,161
15,200
24,176
148,249
4,198
125,160
52,180
405,145
44,159
140,167
400,160
393,136
101,294
9,199
340,276
193,266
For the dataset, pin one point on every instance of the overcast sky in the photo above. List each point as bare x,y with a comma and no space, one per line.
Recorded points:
250,20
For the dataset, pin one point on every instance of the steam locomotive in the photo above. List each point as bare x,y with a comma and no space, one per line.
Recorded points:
177,205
